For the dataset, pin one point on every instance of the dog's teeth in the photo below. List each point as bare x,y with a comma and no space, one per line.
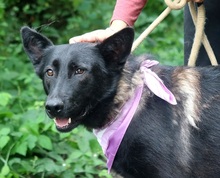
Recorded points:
69,121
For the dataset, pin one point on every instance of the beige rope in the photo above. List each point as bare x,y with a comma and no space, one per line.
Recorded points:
176,4
200,36
199,32
199,21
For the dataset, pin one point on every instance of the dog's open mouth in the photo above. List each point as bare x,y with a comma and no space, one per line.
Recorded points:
66,124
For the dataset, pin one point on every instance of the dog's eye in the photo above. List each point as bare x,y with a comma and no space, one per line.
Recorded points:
79,71
49,72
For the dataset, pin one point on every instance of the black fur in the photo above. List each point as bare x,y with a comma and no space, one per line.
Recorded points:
90,82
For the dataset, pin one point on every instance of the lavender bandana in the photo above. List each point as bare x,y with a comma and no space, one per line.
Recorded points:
110,138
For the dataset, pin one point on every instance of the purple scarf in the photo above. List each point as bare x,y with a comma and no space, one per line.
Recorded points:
110,138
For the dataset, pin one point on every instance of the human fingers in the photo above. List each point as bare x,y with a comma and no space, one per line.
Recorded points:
87,37
94,36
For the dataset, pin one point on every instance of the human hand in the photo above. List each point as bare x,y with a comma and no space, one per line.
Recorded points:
94,36
100,35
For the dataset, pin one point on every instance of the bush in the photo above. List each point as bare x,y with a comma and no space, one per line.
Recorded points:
30,146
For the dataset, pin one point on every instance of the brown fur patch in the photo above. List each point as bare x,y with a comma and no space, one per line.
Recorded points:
126,90
186,82
187,88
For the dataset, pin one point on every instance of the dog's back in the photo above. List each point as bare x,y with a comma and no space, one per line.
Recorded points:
176,141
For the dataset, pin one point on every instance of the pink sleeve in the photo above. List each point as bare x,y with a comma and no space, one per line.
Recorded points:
128,10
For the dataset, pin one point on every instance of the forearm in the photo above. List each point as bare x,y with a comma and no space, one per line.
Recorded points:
125,14
128,11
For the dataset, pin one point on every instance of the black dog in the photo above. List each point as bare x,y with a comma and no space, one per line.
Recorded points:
94,84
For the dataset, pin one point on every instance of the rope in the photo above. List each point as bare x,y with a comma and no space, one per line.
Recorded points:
176,4
199,22
200,36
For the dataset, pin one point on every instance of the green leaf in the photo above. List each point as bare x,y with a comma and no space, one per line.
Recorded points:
26,164
5,131
76,154
78,168
54,155
4,98
21,148
48,165
104,173
83,145
5,170
45,142
94,145
4,140
31,140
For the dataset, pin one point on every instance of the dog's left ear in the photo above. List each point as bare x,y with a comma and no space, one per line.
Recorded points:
117,47
34,44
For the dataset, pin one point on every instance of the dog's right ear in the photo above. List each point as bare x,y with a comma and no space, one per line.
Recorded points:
117,48
34,44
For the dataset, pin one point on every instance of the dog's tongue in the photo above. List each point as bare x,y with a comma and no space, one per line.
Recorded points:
62,122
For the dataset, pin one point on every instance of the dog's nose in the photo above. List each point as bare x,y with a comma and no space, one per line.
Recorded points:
54,106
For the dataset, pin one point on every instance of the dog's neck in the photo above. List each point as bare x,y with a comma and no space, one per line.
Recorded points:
111,136
139,75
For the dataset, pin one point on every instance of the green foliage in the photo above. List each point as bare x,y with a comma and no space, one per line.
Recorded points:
30,146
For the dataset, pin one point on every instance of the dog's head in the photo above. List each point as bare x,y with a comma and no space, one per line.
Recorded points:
77,77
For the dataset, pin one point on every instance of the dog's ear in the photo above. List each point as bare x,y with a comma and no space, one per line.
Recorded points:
34,44
117,47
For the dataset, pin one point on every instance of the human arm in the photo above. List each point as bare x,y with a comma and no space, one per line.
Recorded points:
125,14
101,34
